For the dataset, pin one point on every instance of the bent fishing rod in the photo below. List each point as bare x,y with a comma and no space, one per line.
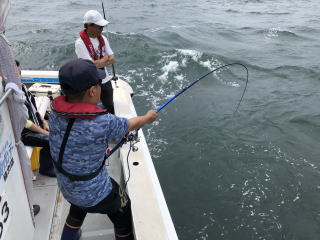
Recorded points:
204,76
115,78
132,136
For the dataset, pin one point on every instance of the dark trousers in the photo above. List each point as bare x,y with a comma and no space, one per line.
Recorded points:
116,205
107,96
34,139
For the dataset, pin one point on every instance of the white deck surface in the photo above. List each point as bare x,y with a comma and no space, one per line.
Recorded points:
45,192
95,227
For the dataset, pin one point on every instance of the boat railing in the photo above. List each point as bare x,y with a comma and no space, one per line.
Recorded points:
5,95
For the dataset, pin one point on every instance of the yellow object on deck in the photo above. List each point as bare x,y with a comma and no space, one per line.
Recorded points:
35,158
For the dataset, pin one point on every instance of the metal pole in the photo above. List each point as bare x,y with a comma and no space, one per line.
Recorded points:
5,95
115,78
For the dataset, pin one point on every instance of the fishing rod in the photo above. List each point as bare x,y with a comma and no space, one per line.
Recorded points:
115,78
204,76
133,136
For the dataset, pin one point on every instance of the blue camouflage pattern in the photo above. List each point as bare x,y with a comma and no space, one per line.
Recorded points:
84,154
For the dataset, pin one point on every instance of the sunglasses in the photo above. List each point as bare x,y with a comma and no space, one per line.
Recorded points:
95,25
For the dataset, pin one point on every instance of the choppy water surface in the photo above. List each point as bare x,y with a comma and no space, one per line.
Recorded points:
254,175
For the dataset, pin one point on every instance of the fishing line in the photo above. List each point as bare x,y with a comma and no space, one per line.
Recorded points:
130,148
204,76
133,136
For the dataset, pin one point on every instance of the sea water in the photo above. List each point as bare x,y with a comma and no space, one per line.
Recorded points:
250,175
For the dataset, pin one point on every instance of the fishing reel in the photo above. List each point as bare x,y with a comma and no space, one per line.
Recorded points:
133,138
115,79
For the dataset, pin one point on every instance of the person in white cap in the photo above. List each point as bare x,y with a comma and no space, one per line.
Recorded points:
94,46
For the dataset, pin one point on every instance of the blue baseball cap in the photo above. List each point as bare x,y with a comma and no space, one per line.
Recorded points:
79,74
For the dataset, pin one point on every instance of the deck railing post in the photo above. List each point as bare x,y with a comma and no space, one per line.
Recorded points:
5,95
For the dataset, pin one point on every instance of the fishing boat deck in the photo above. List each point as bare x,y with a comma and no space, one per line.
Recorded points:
151,217
54,211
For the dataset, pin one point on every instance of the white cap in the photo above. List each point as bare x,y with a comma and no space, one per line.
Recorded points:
93,16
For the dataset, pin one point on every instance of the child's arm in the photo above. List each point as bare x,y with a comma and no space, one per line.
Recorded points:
138,122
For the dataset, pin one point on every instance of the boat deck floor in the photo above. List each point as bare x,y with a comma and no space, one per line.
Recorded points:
54,210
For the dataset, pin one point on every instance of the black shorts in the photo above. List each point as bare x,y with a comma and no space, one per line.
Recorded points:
116,205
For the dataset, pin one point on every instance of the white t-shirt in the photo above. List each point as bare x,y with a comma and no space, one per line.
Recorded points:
82,51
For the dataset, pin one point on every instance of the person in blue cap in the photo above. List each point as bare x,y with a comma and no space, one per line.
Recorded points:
79,133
